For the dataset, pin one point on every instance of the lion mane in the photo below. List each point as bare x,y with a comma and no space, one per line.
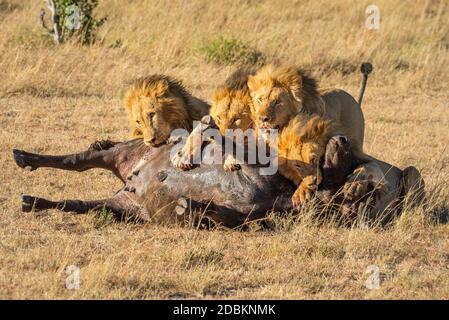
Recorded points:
177,107
232,104
281,92
300,147
303,141
298,82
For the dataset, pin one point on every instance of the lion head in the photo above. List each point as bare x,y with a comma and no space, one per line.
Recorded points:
301,145
156,105
232,103
279,92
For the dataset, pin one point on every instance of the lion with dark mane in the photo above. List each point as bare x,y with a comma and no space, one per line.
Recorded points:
280,92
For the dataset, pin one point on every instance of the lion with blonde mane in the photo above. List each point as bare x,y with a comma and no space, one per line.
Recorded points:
301,146
231,109
158,104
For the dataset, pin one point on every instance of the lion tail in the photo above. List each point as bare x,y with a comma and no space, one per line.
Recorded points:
366,68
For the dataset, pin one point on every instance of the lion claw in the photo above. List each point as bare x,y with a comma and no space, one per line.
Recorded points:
303,194
232,167
355,190
230,164
182,161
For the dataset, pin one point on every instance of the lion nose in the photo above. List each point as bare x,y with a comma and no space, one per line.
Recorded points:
151,141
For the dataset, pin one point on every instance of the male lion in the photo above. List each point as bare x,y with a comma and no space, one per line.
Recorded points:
232,104
301,146
280,92
230,109
158,104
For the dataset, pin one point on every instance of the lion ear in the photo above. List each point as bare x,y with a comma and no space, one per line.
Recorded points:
290,79
295,85
296,92
251,83
161,87
129,99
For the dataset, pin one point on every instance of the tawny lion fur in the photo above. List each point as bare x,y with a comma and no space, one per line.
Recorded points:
280,92
158,104
231,109
301,144
232,104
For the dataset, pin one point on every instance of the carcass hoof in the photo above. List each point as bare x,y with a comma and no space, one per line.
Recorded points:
130,189
182,206
28,203
23,159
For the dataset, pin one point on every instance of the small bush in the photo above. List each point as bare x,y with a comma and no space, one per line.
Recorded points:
229,51
76,21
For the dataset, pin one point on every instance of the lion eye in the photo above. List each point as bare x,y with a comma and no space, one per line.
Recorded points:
151,115
276,104
259,100
138,122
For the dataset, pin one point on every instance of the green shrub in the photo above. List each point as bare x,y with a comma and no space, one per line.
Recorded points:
76,21
229,51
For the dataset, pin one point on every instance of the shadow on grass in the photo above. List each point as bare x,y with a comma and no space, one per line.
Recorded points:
440,215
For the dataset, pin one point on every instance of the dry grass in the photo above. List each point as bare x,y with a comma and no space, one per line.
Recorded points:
60,99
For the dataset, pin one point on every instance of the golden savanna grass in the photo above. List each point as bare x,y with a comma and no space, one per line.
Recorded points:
60,99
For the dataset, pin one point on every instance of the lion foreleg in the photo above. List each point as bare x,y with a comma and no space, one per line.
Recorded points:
190,154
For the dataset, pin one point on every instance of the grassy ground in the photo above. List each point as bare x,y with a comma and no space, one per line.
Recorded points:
60,99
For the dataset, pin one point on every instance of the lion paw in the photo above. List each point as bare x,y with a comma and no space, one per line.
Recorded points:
182,160
355,190
302,194
230,164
